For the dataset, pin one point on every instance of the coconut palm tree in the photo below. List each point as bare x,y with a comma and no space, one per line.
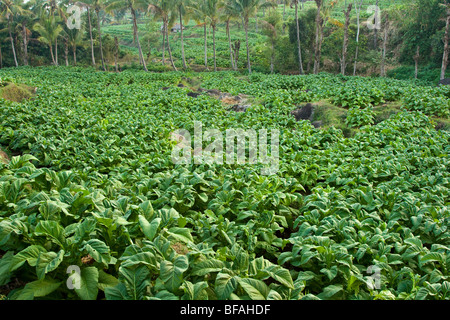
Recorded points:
200,13
10,8
211,12
248,8
97,6
230,11
49,30
131,5
75,40
163,9
183,7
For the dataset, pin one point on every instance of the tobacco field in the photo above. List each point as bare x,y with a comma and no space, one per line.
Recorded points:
358,211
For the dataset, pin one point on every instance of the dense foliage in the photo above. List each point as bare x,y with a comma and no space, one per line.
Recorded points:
92,185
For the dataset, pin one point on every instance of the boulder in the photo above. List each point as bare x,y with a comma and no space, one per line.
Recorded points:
193,94
303,113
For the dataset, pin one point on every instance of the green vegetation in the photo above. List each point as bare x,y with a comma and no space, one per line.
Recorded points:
91,184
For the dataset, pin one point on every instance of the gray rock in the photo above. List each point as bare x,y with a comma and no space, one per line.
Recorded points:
304,113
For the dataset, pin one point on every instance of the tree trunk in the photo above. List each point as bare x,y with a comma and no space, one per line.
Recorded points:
100,39
206,50
345,44
90,36
319,35
183,58
74,50
248,49
375,30
416,62
272,56
358,10
383,58
12,43
136,35
164,43
66,52
214,46
51,54
25,44
116,53
229,43
168,48
1,58
236,48
446,47
300,62
56,51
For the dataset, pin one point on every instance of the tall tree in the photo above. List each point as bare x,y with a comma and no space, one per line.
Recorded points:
75,39
211,11
358,28
162,9
446,38
230,11
345,42
324,8
271,26
132,6
97,6
299,47
247,8
183,12
49,31
9,9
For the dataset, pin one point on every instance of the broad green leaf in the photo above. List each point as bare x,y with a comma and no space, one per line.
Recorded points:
98,250
281,275
47,262
38,288
136,281
330,291
195,291
172,273
106,280
149,229
118,292
88,284
207,266
29,254
53,230
180,234
5,263
225,284
256,289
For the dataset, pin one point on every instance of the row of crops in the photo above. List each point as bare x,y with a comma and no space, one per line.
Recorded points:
91,194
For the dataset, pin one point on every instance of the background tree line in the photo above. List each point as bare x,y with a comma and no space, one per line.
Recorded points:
351,37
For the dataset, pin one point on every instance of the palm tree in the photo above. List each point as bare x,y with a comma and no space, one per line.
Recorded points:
300,62
211,11
162,9
230,11
97,6
24,18
49,31
131,5
271,25
53,6
9,8
75,39
183,11
199,13
248,8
